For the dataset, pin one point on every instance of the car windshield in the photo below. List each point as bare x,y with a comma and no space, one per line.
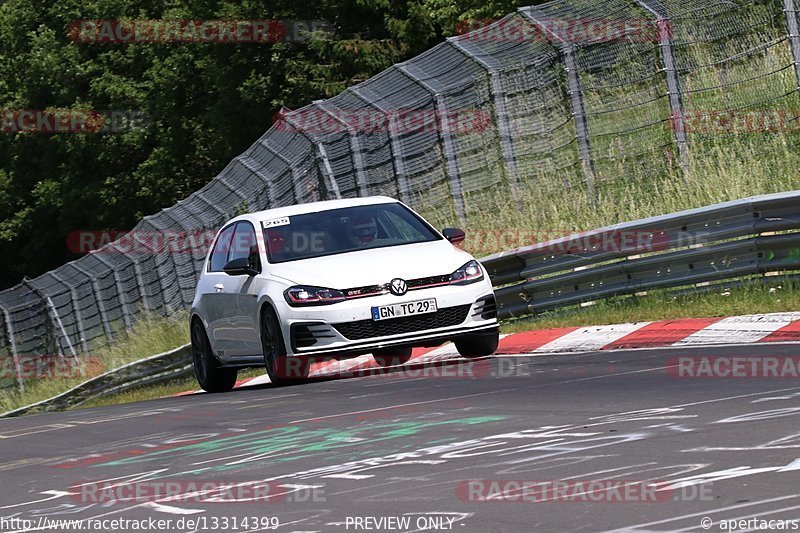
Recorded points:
343,230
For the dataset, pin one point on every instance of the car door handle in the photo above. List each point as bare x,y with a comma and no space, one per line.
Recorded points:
219,287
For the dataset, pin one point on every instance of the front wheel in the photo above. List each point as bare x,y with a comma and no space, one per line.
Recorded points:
211,376
478,344
280,369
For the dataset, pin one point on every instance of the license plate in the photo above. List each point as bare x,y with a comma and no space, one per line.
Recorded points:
419,307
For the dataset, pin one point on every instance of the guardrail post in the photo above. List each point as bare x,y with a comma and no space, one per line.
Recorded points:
446,137
576,99
790,10
677,115
13,347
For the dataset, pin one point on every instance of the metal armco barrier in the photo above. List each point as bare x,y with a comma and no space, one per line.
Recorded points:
718,242
150,370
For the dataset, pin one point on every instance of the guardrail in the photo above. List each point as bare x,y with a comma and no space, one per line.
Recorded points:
690,248
697,246
154,369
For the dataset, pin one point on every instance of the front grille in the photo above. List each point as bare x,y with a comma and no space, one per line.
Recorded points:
425,282
367,329
413,284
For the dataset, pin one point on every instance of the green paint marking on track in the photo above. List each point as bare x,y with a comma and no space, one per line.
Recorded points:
302,442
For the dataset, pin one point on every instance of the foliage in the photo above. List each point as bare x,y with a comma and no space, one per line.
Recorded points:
206,103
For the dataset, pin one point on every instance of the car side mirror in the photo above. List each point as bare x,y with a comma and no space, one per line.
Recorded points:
454,235
239,267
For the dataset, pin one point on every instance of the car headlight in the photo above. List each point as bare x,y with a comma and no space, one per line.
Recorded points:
469,273
300,295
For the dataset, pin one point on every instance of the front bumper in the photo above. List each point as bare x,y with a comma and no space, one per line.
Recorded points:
347,328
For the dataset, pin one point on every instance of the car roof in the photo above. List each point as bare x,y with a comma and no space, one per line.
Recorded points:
313,207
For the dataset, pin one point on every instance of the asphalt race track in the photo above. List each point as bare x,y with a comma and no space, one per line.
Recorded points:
443,447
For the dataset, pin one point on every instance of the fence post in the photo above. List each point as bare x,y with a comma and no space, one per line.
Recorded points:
677,115
576,98
224,181
295,178
356,152
13,346
73,296
446,137
327,172
323,163
137,270
399,164
52,314
100,305
501,114
123,299
790,10
245,160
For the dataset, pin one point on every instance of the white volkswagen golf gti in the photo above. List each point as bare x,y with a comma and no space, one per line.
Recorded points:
335,279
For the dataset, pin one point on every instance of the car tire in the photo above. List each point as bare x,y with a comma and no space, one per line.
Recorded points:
211,376
479,344
280,369
392,356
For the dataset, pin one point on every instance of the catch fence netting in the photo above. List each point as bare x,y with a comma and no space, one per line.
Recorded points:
574,97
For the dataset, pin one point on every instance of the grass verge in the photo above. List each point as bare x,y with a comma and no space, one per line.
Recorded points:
150,335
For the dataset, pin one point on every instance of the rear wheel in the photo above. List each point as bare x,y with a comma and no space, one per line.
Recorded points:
211,376
478,344
280,369
392,356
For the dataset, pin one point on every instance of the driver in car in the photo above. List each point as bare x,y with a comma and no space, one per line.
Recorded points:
362,231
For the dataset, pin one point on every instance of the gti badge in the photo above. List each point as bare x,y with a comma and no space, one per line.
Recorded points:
398,287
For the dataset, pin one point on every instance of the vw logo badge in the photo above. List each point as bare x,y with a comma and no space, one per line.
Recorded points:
398,287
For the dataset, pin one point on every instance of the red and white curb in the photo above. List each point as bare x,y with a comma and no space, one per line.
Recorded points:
688,332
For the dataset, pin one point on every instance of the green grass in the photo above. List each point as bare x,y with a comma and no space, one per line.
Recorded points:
162,390
150,335
773,295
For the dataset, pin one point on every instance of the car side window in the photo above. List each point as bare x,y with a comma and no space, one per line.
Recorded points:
219,255
244,245
403,228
